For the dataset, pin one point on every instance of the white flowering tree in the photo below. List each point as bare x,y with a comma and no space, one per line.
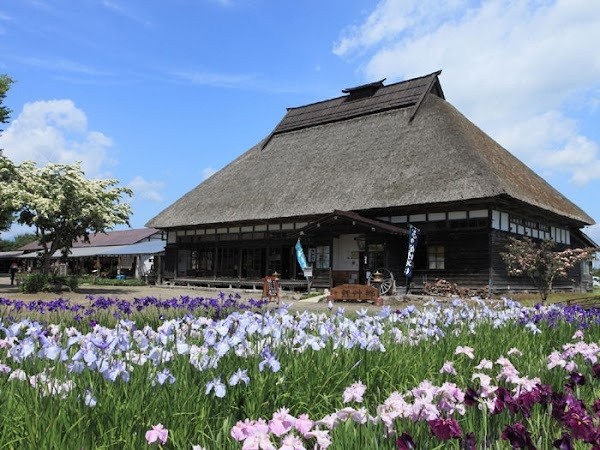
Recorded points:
7,173
540,262
62,205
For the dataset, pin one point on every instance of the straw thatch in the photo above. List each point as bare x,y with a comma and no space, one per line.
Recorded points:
400,145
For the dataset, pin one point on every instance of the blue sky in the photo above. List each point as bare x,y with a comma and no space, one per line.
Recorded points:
160,94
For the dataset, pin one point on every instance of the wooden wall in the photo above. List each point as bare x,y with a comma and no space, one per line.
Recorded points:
500,279
466,257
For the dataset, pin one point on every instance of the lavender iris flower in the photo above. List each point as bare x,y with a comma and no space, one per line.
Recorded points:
217,386
239,376
268,360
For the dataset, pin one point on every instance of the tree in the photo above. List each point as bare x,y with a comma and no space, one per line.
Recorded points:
5,82
6,214
7,174
63,206
18,242
539,261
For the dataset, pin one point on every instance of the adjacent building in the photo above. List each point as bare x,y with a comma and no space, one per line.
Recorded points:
131,253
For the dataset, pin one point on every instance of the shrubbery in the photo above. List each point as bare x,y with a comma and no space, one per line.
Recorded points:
37,282
33,283
115,282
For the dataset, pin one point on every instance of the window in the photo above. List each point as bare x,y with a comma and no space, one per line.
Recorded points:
435,256
322,257
586,267
201,262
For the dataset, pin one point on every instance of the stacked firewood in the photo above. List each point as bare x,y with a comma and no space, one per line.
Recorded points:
445,288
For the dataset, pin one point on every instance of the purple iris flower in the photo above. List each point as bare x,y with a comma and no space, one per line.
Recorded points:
217,386
164,377
564,443
239,376
469,442
445,429
405,442
518,436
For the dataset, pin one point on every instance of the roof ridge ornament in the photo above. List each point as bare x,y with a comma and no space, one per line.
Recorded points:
368,86
434,78
362,91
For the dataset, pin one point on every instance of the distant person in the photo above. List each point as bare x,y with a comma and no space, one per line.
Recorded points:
14,267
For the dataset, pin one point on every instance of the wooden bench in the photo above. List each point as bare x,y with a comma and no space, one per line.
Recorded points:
230,283
586,302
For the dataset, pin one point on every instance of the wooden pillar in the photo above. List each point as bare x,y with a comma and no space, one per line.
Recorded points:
215,261
138,269
158,268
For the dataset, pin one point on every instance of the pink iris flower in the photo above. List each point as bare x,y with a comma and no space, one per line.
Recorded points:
354,392
158,433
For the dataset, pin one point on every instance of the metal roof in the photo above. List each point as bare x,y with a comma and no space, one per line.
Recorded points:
141,248
9,255
111,238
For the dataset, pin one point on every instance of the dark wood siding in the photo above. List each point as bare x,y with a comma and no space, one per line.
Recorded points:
501,281
466,257
170,261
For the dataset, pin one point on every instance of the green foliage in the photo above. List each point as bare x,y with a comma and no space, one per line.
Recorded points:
5,83
37,282
23,239
63,206
18,242
115,282
33,283
540,262
309,382
6,212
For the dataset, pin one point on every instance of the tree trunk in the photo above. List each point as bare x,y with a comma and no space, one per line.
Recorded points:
46,262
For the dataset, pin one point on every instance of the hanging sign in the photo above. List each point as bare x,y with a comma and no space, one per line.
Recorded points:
271,288
413,238
300,255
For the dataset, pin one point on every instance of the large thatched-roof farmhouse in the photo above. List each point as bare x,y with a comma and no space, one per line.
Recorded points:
347,176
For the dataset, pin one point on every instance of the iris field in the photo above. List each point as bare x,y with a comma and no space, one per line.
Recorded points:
197,373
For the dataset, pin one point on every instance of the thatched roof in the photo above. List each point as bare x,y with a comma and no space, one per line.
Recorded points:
393,146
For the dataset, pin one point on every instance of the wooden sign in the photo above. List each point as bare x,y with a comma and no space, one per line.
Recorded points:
354,292
271,288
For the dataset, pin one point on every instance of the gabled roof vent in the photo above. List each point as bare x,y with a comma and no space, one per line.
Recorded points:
362,91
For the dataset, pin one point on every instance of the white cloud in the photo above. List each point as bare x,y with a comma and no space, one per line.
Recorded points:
392,17
149,190
511,67
214,79
208,172
225,3
60,65
121,10
56,131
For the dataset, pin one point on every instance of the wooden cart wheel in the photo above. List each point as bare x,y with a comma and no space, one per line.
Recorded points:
387,282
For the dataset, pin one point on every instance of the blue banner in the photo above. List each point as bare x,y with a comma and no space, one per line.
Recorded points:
413,238
300,255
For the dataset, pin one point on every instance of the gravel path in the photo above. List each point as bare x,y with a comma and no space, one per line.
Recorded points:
167,292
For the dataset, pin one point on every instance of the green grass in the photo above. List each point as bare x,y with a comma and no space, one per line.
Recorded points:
529,299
